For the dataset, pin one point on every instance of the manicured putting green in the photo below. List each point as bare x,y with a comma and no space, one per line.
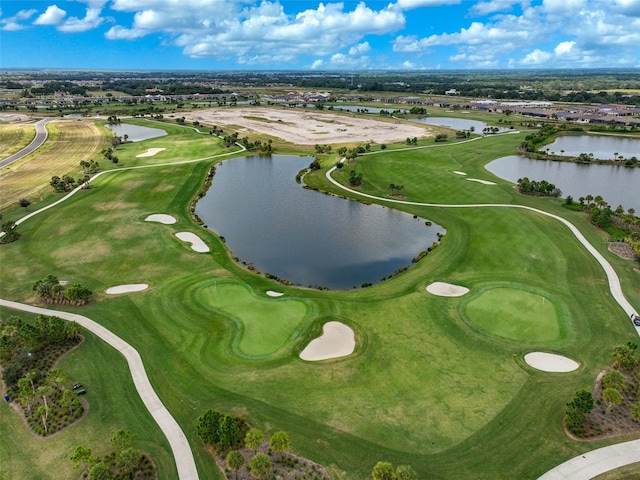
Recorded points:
266,324
514,314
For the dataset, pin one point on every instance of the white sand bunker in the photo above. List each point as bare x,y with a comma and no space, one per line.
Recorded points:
196,242
457,172
271,293
133,287
337,340
550,362
161,218
442,289
150,152
484,182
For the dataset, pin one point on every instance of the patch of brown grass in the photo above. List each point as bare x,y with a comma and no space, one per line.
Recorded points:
14,137
68,143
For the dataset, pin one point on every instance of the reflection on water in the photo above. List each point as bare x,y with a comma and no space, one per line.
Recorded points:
136,133
601,146
617,184
458,123
303,236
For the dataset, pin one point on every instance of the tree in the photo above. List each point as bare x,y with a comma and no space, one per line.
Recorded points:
624,356
253,439
128,460
43,412
81,456
122,440
612,396
228,431
405,472
24,202
383,471
635,410
100,471
235,460
280,442
260,465
614,379
582,401
207,426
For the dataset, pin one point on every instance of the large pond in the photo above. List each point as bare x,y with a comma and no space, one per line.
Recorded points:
601,146
308,238
458,123
618,185
136,133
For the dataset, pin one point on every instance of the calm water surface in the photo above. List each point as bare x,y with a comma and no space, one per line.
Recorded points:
618,185
602,146
136,133
458,123
306,237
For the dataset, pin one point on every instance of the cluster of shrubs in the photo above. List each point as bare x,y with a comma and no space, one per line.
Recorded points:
28,351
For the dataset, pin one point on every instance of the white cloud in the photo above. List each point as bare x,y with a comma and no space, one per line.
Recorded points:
412,4
537,57
485,8
564,48
217,28
360,49
52,16
13,23
91,20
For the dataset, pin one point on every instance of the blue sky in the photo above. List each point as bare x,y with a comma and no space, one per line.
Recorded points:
310,35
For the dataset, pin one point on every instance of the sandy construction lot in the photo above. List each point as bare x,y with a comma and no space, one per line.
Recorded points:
305,127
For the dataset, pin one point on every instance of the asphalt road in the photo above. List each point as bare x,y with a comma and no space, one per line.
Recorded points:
40,138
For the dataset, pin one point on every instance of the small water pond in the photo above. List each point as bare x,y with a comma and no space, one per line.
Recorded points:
305,237
136,133
601,146
458,123
618,185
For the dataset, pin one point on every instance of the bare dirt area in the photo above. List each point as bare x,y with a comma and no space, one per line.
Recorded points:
285,466
613,420
622,249
307,127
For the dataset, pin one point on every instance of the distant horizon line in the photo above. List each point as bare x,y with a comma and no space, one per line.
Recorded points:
4,70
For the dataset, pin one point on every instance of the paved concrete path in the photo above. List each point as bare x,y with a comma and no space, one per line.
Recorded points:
613,279
177,440
596,462
40,138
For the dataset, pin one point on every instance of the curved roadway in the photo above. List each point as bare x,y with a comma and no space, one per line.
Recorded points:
40,138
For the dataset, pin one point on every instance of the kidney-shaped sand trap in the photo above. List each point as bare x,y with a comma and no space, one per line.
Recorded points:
271,293
550,362
443,289
161,218
337,340
196,242
150,152
133,287
484,182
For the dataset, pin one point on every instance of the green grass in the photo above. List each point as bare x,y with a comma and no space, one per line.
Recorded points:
514,314
423,388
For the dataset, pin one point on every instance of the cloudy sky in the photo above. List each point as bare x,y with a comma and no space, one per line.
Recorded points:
310,35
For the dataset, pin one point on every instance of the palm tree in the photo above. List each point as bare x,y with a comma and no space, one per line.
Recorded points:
43,412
